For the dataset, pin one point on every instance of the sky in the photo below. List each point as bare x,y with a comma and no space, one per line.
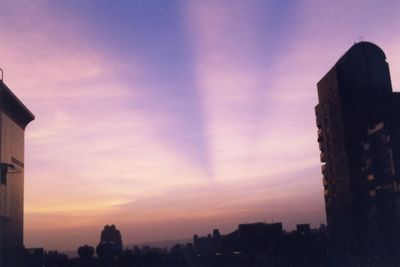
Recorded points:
172,118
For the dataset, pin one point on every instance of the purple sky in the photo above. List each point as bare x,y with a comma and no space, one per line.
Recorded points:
169,118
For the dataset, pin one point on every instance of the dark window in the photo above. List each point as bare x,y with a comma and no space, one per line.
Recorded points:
3,173
4,168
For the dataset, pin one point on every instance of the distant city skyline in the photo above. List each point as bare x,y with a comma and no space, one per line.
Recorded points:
168,118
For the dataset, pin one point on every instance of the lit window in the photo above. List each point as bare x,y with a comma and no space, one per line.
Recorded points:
376,128
370,177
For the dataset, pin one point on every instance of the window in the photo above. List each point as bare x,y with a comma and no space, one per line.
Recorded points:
376,128
3,173
366,146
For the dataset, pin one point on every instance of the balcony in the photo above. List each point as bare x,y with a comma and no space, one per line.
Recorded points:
321,146
323,169
322,157
319,122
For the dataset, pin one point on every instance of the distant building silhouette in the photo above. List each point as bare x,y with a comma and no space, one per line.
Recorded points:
85,255
35,257
111,234
252,237
358,120
248,237
303,228
110,245
14,117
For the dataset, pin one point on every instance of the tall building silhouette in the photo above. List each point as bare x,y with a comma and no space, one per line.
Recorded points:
14,117
358,120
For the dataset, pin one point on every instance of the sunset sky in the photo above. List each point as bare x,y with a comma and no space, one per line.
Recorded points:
170,118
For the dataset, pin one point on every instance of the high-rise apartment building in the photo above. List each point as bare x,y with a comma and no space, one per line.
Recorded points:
14,117
358,120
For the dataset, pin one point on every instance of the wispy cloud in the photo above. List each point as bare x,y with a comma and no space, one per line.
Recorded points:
243,94
92,146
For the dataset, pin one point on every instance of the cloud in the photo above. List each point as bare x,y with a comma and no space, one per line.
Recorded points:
243,94
92,146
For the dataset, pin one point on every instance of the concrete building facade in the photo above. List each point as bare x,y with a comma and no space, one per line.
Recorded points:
358,120
14,117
